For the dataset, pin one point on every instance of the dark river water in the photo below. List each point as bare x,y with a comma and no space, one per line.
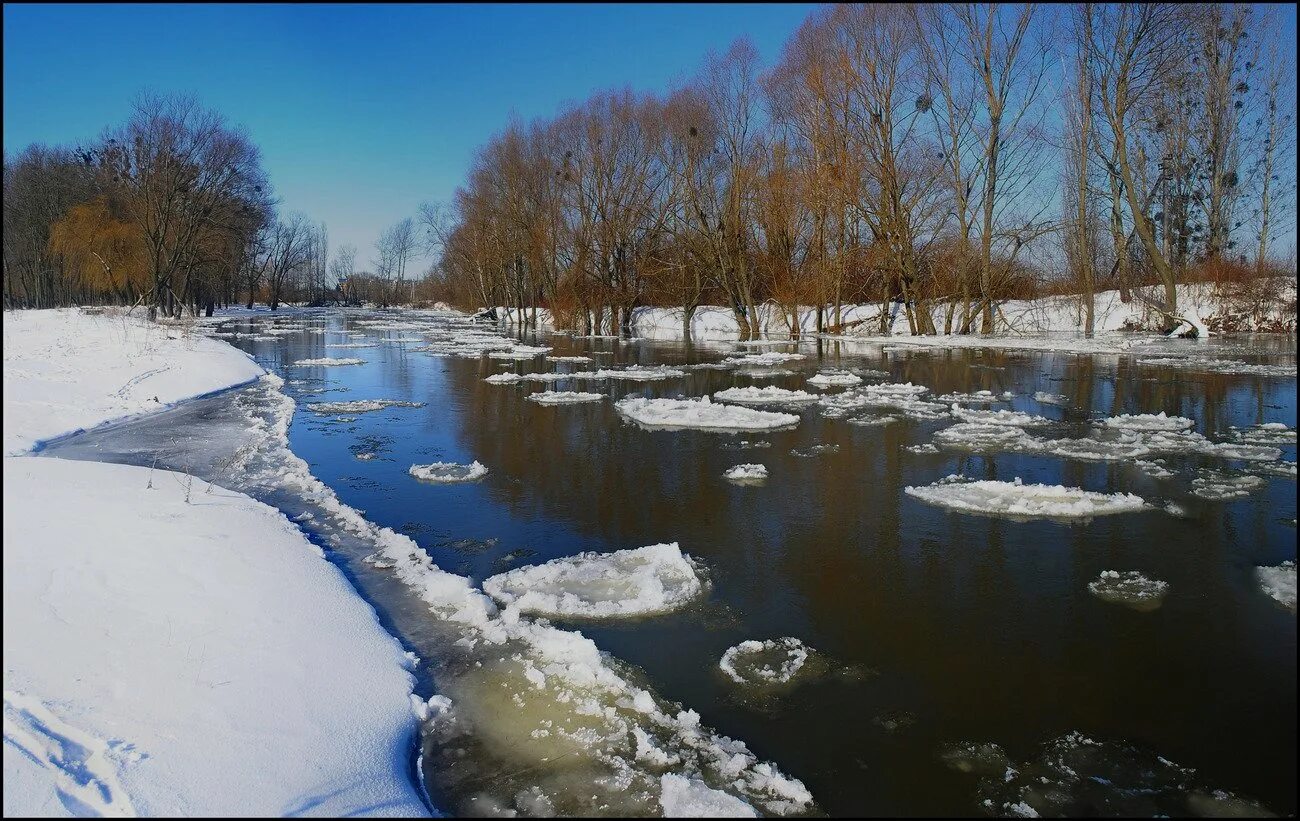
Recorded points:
934,626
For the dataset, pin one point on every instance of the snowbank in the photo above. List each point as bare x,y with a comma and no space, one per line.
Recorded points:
639,582
165,658
671,414
66,371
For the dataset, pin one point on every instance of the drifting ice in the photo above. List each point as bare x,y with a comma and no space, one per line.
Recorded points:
776,661
748,473
1278,582
1018,500
627,583
1129,588
564,397
447,472
700,413
764,396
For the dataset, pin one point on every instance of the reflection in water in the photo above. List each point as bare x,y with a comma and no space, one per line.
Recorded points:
933,627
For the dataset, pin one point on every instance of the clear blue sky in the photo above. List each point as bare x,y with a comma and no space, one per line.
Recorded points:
361,112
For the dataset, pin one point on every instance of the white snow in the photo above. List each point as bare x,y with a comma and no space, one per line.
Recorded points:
65,371
775,661
449,472
764,396
627,583
1278,582
1018,500
746,474
669,414
165,658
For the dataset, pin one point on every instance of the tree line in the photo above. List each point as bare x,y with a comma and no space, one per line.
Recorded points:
172,211
939,158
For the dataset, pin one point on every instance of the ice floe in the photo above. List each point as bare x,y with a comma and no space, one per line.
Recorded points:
1269,433
449,472
1278,582
762,360
1130,588
1148,422
639,373
669,414
326,361
998,417
1223,485
682,797
564,397
360,405
977,397
828,379
746,474
503,378
764,396
1051,399
627,583
764,663
1017,500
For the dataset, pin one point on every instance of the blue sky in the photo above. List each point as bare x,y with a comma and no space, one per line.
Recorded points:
361,112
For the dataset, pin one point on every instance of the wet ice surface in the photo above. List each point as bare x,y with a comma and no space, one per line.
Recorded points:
1017,500
1130,588
961,626
448,472
765,663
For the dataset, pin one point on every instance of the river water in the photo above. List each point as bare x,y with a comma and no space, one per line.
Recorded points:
931,627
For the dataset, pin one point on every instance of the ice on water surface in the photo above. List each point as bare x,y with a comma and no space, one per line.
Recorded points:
1017,500
564,397
449,472
746,474
627,583
765,663
1278,583
1129,588
700,413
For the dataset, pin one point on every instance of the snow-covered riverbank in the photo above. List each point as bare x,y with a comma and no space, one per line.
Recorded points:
172,647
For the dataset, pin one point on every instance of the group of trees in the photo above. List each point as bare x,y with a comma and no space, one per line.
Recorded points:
172,211
940,157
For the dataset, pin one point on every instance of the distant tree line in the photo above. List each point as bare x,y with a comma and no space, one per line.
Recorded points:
171,211
944,157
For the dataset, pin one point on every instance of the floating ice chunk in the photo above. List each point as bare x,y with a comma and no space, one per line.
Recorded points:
569,358
683,797
998,417
981,437
766,373
669,414
326,361
503,378
627,583
746,474
1018,500
1286,470
815,450
1052,399
923,448
1155,468
1088,450
827,379
519,352
365,457
764,396
1148,422
977,398
361,405
873,421
762,360
1129,588
1269,433
639,373
350,344
1278,582
564,397
1222,485
449,472
764,663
